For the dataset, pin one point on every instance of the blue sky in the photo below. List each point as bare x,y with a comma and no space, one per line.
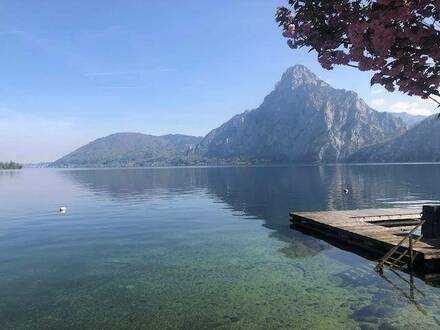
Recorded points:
73,71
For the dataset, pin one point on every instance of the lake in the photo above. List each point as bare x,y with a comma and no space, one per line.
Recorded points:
201,248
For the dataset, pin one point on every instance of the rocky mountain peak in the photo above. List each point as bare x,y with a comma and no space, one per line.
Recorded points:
299,75
303,120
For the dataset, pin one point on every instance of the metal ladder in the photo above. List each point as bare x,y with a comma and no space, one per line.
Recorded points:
393,258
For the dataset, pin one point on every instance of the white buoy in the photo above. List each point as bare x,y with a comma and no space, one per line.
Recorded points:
63,209
346,191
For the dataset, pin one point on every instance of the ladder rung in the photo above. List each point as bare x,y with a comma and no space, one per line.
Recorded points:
394,266
400,252
396,262
397,252
399,257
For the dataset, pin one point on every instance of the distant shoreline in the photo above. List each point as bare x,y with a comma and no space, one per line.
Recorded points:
235,165
10,166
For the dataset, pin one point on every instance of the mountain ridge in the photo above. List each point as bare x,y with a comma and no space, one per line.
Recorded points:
409,119
129,149
421,143
303,120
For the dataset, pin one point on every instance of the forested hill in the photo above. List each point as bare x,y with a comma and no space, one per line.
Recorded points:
130,149
10,166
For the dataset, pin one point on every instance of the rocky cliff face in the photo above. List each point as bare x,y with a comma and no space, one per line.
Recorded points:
420,144
303,120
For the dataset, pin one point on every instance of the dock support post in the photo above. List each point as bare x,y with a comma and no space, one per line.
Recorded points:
411,285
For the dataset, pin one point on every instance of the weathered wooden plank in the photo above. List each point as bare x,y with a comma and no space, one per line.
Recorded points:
360,224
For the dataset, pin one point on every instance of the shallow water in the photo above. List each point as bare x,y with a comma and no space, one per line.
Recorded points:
200,248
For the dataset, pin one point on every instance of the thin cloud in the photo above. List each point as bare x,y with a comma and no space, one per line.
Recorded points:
377,102
166,70
417,108
12,33
112,73
127,87
377,90
127,73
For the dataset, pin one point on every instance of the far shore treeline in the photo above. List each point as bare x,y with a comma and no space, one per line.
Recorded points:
10,166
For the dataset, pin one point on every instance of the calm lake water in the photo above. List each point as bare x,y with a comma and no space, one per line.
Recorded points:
200,248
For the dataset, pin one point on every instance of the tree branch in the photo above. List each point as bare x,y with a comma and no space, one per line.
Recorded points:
438,102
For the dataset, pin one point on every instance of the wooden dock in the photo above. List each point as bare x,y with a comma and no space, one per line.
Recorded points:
374,230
